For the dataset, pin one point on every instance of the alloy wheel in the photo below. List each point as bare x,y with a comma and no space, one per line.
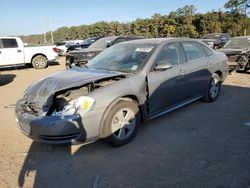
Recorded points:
123,123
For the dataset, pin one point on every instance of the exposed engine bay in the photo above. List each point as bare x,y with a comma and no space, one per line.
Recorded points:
62,98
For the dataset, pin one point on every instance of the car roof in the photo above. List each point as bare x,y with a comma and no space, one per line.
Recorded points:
162,40
123,36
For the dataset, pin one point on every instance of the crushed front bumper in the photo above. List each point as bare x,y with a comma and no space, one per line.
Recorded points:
56,129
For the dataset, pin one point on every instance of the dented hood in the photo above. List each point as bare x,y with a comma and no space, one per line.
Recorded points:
40,94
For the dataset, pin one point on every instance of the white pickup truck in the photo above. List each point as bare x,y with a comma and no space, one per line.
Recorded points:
13,53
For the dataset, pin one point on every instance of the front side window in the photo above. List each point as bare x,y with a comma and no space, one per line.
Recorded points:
9,43
193,51
170,54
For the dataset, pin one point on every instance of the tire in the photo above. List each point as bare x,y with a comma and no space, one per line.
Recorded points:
68,66
213,90
247,67
121,123
39,62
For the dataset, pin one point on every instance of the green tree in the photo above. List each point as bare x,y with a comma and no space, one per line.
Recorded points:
184,22
238,6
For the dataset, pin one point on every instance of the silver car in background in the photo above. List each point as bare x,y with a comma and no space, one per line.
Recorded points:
125,85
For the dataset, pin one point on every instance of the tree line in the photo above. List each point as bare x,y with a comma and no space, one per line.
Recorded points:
184,22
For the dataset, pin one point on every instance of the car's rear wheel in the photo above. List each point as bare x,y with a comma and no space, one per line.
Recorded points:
122,123
39,62
214,88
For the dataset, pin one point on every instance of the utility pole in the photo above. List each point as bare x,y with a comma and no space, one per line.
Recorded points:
42,20
52,38
51,32
47,26
44,37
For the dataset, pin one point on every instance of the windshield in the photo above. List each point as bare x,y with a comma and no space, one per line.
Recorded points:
128,57
238,43
103,42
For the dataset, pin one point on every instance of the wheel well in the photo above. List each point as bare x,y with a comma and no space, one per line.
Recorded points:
38,55
219,74
132,98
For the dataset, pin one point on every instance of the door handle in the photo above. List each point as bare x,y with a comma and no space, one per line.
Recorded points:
19,51
182,72
0,52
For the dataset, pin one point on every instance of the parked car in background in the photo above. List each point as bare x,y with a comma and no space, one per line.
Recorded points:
81,57
129,83
84,44
216,40
238,53
13,53
62,47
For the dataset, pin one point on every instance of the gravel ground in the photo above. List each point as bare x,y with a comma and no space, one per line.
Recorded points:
200,145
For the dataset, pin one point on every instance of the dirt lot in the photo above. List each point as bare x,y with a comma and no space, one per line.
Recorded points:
200,145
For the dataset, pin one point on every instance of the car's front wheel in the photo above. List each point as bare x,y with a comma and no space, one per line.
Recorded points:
213,89
122,123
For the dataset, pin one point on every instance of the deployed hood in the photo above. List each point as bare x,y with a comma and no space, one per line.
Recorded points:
40,94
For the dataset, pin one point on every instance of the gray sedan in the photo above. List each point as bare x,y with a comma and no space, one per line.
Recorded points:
125,85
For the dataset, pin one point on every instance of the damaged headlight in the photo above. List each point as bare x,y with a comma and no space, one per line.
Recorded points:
90,54
81,104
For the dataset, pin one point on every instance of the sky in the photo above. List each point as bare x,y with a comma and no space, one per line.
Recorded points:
25,17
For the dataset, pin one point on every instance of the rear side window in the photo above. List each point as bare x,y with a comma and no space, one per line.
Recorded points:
9,43
193,51
208,51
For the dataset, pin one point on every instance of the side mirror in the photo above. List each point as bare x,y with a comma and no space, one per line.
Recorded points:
163,67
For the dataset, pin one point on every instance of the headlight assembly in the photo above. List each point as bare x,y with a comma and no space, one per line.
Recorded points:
81,104
90,54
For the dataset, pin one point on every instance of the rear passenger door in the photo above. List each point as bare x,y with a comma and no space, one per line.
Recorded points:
196,68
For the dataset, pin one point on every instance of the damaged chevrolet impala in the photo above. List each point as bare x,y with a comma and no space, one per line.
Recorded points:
122,87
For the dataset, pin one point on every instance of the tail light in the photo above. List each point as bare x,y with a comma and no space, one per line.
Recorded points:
56,49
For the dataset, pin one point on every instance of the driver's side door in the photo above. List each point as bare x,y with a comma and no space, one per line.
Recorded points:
167,87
